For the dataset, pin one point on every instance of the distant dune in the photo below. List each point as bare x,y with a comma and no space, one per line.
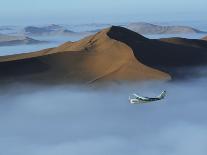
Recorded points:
47,30
147,28
8,40
3,28
114,54
205,38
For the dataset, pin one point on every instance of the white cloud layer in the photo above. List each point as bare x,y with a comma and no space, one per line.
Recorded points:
77,121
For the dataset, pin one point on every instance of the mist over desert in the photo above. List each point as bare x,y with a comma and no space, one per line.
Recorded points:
64,120
103,77
86,118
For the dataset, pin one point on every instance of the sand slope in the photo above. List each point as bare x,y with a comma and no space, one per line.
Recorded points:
94,59
160,54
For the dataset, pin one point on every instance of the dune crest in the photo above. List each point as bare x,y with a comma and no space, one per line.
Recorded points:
167,55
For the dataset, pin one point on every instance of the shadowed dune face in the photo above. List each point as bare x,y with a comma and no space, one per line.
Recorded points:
164,54
186,42
115,54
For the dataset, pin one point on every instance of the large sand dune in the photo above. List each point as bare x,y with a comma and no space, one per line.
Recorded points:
95,58
115,54
164,54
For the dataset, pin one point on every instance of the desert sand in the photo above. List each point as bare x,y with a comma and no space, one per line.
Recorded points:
114,54
160,54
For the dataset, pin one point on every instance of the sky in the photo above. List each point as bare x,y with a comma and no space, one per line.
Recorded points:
82,11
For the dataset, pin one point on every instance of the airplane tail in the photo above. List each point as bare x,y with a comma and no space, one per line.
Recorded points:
129,100
162,95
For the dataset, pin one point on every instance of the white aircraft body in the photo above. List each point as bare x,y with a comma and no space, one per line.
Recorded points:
142,100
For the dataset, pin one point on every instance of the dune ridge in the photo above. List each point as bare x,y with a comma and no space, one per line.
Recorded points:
113,54
163,55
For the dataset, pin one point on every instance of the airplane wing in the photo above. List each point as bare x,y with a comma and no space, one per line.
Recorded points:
140,97
135,95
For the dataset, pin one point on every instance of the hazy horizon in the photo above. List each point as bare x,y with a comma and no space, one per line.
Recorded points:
77,12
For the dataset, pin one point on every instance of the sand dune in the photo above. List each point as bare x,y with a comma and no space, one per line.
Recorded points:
114,54
95,58
160,53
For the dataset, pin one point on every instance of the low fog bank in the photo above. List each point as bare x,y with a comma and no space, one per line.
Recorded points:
64,120
50,42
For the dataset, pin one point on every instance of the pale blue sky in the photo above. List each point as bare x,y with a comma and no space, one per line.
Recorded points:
86,11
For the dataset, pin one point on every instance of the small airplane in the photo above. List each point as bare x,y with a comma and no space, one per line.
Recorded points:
142,100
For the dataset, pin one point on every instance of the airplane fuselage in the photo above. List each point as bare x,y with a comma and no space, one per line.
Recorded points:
143,100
